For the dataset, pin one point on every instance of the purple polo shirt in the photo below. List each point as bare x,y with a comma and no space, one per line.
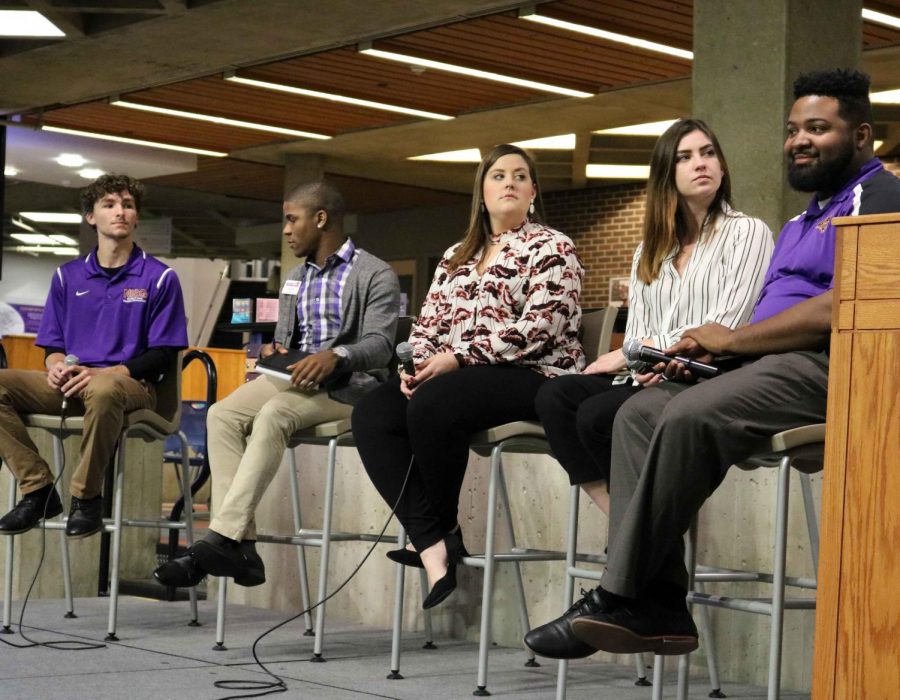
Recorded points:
802,264
105,320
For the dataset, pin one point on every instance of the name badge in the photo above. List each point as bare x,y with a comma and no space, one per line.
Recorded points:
291,287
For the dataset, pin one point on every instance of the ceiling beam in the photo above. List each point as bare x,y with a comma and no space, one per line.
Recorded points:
580,158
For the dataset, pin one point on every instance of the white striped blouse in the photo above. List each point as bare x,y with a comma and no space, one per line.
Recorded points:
721,282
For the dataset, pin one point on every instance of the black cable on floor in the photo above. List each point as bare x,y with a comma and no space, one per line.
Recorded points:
278,685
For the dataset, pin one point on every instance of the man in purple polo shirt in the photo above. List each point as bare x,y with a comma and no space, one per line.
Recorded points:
340,307
112,324
674,441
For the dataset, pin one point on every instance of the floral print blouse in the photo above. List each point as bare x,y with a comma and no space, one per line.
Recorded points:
524,309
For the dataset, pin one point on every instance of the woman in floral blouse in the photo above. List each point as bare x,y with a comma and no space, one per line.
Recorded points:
501,317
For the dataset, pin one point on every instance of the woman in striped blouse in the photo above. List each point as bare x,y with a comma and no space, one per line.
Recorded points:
700,261
501,318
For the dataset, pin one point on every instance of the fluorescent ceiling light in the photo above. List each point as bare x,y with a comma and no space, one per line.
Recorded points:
136,142
881,18
336,98
27,23
648,129
63,240
33,238
617,172
56,250
563,142
532,16
473,72
22,224
70,160
224,121
468,155
90,173
885,97
51,217
10,171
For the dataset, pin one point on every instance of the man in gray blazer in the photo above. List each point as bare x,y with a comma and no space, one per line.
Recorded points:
340,308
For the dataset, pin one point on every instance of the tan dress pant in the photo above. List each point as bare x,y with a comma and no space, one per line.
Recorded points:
104,403
247,433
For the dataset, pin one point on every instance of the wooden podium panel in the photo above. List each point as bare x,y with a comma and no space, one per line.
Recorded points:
857,647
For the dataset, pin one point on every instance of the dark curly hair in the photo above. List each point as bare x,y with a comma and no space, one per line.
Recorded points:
111,183
849,87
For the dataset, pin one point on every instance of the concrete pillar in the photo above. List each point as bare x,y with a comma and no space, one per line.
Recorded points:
747,54
298,168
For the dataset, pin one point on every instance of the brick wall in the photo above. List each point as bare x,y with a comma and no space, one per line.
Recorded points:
605,224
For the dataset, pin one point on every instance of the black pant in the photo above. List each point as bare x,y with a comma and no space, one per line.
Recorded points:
577,411
435,426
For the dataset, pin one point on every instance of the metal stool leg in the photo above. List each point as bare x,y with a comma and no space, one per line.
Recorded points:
116,541
812,520
709,642
8,571
301,550
659,668
569,585
188,499
426,614
780,549
63,540
520,587
690,562
326,550
397,631
487,588
220,615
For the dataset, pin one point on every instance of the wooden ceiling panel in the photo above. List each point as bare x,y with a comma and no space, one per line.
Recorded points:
878,35
669,22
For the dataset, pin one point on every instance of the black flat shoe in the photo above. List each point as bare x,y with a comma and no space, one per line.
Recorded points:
31,510
444,586
407,557
256,570
85,517
181,572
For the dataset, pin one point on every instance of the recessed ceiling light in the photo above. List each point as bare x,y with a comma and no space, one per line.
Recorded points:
70,160
224,121
63,240
881,18
51,217
27,23
472,72
647,129
468,155
136,142
56,250
10,171
877,144
563,142
33,238
532,16
617,172
91,173
885,97
336,98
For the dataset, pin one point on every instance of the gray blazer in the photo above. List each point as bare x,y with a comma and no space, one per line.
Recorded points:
370,304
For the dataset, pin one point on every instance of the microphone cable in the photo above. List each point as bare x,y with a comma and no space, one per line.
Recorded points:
58,644
278,685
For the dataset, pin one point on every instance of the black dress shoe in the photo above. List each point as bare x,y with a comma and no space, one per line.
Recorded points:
444,586
31,510
181,572
408,557
639,626
220,556
256,570
85,517
556,639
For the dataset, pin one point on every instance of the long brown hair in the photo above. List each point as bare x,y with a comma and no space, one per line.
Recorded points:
478,232
667,218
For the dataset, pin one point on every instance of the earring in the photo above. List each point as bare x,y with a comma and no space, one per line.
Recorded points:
531,208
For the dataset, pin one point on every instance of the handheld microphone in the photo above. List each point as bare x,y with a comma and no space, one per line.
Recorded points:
405,355
70,361
638,354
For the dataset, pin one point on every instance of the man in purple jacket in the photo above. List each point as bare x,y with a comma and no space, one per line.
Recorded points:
112,324
674,441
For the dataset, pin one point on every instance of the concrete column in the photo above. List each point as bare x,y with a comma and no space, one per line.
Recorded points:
747,54
298,168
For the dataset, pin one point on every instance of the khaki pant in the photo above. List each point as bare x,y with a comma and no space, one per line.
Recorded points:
247,433
104,403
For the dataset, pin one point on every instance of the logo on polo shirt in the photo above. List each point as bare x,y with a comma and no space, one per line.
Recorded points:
132,295
823,224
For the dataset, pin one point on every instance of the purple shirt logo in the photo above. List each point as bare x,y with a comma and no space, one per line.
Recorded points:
131,295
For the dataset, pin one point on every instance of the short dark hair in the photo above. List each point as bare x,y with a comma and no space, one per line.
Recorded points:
320,195
849,87
111,183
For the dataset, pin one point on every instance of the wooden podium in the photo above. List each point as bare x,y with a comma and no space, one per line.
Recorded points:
857,647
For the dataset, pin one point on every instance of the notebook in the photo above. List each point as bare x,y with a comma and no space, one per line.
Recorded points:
276,364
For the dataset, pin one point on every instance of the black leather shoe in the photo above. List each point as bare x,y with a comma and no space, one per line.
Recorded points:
406,557
31,510
256,570
221,556
556,640
181,572
639,626
85,517
445,585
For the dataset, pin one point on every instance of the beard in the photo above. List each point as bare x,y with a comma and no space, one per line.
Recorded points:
823,175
